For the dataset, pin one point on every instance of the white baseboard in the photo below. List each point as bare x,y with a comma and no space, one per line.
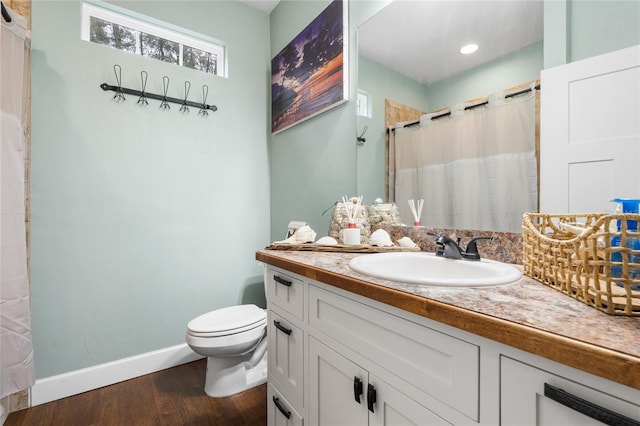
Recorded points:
86,379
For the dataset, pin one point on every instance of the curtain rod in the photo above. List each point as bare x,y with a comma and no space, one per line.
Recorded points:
448,113
5,13
521,92
409,124
467,108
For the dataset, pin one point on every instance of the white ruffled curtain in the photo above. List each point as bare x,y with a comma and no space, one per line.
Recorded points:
475,169
16,351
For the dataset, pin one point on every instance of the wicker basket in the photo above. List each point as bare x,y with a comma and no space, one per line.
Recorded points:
581,265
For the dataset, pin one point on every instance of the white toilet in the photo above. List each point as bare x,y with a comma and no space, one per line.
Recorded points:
234,340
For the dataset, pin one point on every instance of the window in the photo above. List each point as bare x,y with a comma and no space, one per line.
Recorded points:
364,104
124,32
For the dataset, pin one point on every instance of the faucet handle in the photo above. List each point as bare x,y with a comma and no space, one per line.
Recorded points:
439,244
449,248
471,253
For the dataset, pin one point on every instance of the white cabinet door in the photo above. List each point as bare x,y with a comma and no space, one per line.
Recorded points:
590,133
525,400
333,388
393,408
343,393
445,367
286,357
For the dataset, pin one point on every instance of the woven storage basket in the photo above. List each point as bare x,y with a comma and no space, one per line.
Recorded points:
581,265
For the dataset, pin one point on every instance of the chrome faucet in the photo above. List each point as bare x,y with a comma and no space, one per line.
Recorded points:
450,249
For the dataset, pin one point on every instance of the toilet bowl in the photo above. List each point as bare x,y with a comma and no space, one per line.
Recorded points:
234,341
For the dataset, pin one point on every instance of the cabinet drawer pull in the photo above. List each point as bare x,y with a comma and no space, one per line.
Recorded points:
281,408
371,397
282,328
587,408
357,389
282,281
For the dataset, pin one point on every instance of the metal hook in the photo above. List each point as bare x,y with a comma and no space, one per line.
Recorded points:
330,208
119,96
142,100
361,139
187,86
164,104
203,109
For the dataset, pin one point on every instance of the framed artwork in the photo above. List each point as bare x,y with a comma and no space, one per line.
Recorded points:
309,76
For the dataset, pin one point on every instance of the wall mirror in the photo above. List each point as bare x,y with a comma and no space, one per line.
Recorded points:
408,53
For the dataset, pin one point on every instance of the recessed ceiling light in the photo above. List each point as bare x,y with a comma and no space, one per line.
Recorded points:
468,49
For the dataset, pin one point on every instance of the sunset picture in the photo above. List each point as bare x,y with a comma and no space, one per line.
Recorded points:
309,75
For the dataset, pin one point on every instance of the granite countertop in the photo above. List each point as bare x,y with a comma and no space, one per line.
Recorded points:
527,315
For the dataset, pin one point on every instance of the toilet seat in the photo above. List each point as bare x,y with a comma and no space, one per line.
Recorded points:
227,321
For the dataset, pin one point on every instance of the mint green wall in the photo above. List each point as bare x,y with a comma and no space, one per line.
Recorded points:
142,219
510,70
599,27
313,164
579,29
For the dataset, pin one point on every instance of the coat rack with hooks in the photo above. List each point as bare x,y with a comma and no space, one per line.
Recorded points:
164,99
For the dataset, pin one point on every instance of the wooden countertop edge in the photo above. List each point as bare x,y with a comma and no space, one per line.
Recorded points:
612,365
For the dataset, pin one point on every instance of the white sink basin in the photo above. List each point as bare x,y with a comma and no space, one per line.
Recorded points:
429,269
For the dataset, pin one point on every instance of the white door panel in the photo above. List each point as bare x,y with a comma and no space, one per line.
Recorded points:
590,133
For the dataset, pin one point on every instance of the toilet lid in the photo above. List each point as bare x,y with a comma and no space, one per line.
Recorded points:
233,319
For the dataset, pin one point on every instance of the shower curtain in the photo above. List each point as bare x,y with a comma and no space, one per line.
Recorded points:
16,351
475,168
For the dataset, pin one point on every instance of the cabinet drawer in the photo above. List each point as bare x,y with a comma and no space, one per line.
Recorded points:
286,291
525,400
286,357
442,366
279,411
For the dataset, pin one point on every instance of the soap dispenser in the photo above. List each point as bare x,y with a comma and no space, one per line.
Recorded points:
629,205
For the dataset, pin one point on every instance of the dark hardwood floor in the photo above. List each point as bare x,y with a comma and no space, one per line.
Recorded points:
171,397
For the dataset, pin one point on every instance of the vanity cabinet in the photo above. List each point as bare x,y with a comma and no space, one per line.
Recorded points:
345,359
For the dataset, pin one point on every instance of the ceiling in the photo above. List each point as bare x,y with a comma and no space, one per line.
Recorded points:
264,5
422,39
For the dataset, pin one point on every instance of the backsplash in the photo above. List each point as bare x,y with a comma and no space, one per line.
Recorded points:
508,249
